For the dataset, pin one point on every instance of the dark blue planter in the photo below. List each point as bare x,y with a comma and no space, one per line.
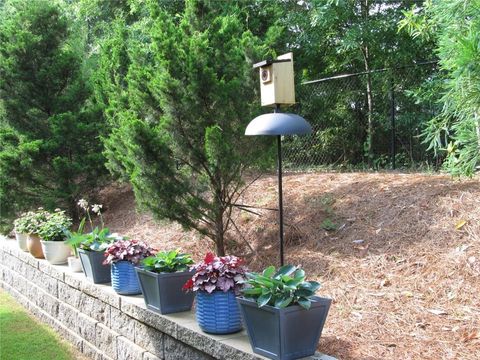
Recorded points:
218,312
92,264
124,278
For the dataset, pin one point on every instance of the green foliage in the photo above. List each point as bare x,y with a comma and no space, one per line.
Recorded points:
455,26
55,226
96,240
49,124
167,262
178,93
328,224
31,221
280,289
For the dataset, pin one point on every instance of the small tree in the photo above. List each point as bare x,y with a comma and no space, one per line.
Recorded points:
180,139
49,127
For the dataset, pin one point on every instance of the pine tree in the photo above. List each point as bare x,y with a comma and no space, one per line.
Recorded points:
49,127
179,120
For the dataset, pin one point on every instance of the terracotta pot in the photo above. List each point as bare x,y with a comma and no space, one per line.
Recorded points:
22,241
56,252
35,246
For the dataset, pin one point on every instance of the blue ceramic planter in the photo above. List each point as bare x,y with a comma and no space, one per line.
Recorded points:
218,312
124,278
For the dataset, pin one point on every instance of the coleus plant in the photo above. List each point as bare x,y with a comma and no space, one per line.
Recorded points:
281,288
217,273
127,250
167,262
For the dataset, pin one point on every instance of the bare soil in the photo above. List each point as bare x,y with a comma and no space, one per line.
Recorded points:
402,263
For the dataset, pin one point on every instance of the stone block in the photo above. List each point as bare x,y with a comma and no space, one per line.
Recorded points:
101,292
69,295
73,281
86,327
69,335
95,308
46,283
50,270
127,350
150,318
46,302
176,350
149,338
106,340
196,339
68,315
93,353
149,356
121,323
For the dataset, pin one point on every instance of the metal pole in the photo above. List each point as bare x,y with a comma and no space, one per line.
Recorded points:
392,100
280,191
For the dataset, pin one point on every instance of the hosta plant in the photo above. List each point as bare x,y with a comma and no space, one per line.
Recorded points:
167,262
55,226
128,250
281,288
217,273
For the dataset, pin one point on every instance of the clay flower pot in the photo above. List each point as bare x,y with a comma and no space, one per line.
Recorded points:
35,246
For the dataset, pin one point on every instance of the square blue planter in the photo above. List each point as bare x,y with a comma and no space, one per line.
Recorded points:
93,268
163,291
284,334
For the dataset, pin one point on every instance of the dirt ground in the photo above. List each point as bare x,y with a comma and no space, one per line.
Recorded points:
401,258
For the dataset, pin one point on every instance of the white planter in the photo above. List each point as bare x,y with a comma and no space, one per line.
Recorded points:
22,241
56,252
75,264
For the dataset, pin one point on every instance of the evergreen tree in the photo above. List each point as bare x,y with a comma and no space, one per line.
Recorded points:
179,93
50,151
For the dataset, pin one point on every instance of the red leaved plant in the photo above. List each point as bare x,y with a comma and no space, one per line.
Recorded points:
128,250
217,273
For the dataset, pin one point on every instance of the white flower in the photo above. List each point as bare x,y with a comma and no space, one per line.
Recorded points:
83,204
96,208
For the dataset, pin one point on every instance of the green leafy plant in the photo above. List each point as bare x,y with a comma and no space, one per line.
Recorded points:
167,261
21,224
55,226
328,225
281,288
31,221
99,238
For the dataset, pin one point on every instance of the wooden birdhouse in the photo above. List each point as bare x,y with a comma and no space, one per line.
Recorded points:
277,86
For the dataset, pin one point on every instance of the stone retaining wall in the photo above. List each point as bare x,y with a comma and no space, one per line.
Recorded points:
104,325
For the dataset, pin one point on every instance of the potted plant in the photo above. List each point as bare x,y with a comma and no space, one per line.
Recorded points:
91,246
21,230
284,319
123,255
161,279
53,232
74,238
217,280
34,221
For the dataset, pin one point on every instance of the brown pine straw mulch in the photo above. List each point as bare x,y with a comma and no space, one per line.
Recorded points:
403,271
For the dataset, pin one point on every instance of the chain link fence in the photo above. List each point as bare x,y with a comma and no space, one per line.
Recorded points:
339,112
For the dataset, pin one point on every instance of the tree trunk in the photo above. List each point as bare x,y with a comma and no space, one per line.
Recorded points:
477,128
219,225
366,60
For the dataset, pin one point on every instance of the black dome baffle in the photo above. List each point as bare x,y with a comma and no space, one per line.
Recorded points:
278,124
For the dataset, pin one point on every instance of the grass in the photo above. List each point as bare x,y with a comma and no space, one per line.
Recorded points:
24,338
